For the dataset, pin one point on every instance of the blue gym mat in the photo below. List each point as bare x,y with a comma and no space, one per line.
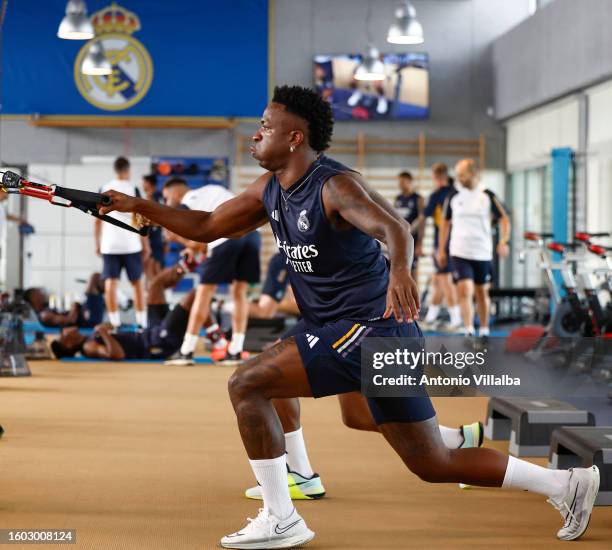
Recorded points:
198,360
30,328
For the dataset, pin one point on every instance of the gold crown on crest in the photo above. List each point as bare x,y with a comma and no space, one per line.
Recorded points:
115,18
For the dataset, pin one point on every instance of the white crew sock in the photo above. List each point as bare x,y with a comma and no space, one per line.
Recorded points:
483,331
141,319
521,474
237,343
452,437
432,313
455,315
189,343
469,331
212,328
115,318
271,474
297,456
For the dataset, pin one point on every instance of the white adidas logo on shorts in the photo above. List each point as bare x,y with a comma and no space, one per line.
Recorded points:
312,340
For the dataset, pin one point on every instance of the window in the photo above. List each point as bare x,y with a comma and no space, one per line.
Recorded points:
530,193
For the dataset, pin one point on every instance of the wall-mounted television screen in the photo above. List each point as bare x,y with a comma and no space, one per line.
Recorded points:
403,94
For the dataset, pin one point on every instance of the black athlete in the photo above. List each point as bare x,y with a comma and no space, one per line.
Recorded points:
83,315
327,222
160,340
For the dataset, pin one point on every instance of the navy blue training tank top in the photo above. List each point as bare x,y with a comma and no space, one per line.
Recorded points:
407,206
334,274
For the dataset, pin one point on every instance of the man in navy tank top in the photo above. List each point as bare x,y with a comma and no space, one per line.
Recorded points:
410,205
328,222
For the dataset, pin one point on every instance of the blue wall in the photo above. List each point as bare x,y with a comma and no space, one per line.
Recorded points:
212,55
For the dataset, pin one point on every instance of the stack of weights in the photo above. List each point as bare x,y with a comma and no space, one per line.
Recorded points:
12,342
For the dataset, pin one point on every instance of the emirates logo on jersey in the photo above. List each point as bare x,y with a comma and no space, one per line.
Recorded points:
303,224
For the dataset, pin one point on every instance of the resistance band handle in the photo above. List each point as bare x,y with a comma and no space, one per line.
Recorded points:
83,197
10,180
85,201
144,231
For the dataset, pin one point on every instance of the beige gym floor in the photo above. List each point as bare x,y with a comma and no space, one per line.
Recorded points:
149,457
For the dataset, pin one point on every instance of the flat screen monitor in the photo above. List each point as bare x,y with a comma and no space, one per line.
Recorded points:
402,95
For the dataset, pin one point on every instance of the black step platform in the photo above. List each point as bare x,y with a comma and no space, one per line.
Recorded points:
582,447
528,423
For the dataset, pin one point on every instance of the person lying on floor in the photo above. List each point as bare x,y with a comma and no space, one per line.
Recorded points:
161,340
83,315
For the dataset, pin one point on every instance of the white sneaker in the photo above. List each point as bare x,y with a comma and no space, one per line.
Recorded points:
577,506
300,487
354,98
267,531
454,327
473,437
428,324
180,360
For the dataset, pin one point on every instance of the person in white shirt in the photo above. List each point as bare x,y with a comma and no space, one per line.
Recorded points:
469,213
5,217
121,249
229,261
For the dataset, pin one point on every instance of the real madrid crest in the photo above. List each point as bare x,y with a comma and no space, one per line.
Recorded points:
303,224
132,65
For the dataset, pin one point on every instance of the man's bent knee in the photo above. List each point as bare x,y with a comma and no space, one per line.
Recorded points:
431,468
247,381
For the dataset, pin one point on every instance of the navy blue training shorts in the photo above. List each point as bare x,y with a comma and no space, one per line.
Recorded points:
114,263
233,260
331,355
479,271
91,313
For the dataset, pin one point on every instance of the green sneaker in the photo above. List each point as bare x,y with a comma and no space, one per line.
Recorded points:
473,436
300,487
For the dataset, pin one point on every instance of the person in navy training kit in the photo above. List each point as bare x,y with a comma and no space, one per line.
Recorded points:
469,213
83,315
442,282
410,206
160,340
328,222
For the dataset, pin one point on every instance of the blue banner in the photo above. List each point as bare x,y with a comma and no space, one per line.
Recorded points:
190,58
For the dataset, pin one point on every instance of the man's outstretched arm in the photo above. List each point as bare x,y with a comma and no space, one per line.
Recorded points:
233,218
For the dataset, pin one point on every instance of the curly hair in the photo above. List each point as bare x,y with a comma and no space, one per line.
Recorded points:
60,350
311,107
